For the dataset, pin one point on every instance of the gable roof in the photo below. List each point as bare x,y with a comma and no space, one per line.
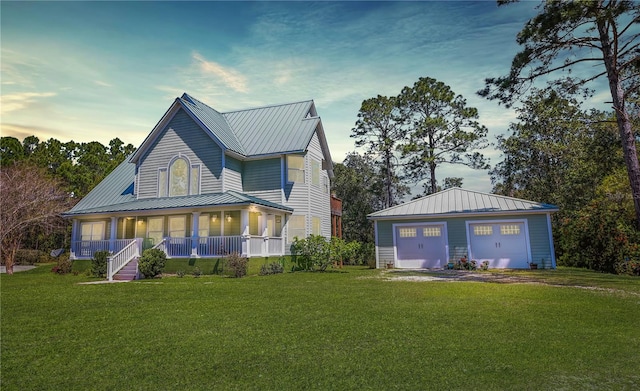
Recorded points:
459,202
268,130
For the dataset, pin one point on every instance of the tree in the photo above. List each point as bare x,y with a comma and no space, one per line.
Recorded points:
11,150
379,129
556,152
441,129
29,198
357,183
593,38
448,183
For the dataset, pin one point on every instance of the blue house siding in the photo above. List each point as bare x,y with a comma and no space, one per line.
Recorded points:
384,240
232,174
181,136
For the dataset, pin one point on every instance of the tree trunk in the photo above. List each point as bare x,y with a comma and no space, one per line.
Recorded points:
10,258
389,192
432,171
627,137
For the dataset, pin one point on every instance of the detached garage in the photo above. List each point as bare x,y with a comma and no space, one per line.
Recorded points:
455,223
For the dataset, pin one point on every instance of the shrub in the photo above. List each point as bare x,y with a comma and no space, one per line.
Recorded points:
29,257
602,235
311,254
196,272
63,265
99,264
630,267
237,264
272,268
151,263
180,273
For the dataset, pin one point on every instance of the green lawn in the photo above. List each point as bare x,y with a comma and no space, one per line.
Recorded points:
352,329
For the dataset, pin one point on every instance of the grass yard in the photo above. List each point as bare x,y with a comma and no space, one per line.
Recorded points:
355,329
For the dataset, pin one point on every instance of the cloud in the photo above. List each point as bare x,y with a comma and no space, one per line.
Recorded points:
21,131
102,83
229,76
19,101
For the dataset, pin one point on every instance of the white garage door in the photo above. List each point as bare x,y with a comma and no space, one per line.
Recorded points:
421,246
503,244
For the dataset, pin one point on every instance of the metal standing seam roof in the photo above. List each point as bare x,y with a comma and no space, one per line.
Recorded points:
116,188
214,121
258,131
274,129
227,198
457,201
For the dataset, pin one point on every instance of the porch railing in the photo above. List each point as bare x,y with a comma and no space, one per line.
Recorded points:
120,244
122,257
256,245
215,246
86,248
212,246
275,246
178,247
161,246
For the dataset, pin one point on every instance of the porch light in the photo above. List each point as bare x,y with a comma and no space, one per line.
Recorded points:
229,218
214,218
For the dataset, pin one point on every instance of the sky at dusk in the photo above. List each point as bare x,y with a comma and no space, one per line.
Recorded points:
93,71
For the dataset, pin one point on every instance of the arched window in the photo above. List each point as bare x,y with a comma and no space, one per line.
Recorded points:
179,178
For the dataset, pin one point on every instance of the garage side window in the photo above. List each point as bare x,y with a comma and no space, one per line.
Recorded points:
482,230
510,229
407,232
431,231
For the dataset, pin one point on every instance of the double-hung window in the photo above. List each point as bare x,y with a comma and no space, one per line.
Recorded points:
295,168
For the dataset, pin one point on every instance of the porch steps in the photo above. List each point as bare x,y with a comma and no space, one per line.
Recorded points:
128,272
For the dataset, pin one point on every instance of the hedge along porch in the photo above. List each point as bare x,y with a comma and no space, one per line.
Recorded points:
431,231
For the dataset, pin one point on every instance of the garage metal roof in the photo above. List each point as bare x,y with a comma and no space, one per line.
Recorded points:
457,201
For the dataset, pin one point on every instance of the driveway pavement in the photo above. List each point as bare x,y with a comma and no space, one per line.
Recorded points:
17,268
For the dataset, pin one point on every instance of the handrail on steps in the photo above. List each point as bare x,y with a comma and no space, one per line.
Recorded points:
121,258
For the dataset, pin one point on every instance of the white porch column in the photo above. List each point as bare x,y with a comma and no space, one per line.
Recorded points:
265,233
112,234
244,226
195,228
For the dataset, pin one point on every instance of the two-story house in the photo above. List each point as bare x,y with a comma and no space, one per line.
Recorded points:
205,184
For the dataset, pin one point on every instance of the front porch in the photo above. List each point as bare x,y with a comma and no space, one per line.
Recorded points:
250,231
181,247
